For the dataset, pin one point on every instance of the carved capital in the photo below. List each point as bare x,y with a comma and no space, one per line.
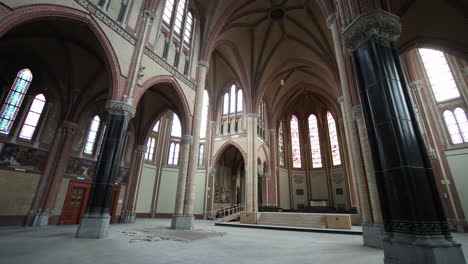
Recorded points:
203,64
212,123
251,115
374,23
267,175
272,130
147,13
120,108
432,154
466,70
212,171
140,149
416,84
331,20
69,127
356,112
187,139
341,100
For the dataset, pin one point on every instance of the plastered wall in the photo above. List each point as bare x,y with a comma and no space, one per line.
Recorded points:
17,190
458,163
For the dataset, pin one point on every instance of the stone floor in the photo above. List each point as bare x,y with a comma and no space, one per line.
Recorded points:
148,241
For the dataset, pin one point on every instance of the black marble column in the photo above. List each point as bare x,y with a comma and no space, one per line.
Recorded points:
415,225
95,223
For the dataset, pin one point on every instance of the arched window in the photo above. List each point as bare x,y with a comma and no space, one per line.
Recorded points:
335,148
457,125
201,157
233,95
239,100
314,142
14,100
226,104
156,127
92,135
150,148
188,28
295,142
176,129
173,158
281,144
233,100
29,126
179,17
439,74
204,121
168,9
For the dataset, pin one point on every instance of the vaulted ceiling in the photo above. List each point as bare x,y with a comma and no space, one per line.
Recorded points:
259,43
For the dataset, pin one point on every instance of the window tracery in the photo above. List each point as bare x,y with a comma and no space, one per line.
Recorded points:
314,142
457,125
32,119
295,142
335,148
92,135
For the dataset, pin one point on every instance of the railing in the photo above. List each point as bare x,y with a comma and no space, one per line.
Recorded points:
221,215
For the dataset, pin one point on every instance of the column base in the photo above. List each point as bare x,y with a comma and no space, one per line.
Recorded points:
182,222
94,226
129,218
41,219
418,249
373,235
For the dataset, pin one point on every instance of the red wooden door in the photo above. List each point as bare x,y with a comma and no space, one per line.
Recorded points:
75,203
115,203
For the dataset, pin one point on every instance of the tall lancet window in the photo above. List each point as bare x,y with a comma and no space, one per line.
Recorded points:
314,142
179,17
168,9
281,144
295,143
92,135
439,74
335,148
35,111
176,129
14,100
457,125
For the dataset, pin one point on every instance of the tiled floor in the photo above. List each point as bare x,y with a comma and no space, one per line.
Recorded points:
57,244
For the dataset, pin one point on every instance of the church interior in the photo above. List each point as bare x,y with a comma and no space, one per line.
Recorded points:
135,125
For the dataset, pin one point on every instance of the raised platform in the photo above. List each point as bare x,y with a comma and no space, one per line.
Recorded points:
307,220
355,230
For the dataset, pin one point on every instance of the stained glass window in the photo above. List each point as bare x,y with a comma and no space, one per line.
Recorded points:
92,135
176,129
314,142
156,127
335,148
281,144
173,158
439,74
168,8
150,148
201,154
179,17
29,126
204,121
295,142
188,28
14,100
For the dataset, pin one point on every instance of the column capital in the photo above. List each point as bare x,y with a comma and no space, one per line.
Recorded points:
373,23
267,175
416,84
432,154
69,127
212,123
120,108
251,115
187,139
272,130
331,20
341,99
140,149
212,171
356,112
147,13
203,64
466,70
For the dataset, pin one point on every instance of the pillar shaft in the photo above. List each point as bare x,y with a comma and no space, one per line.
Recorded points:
354,150
182,178
415,224
135,173
95,223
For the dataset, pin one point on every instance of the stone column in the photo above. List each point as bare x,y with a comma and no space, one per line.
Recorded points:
374,230
95,223
273,192
177,218
59,167
352,139
416,229
186,220
138,160
251,177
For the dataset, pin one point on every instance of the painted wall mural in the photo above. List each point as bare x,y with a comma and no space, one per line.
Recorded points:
222,195
82,168
22,158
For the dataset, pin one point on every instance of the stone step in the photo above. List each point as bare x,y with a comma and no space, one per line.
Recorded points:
292,219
